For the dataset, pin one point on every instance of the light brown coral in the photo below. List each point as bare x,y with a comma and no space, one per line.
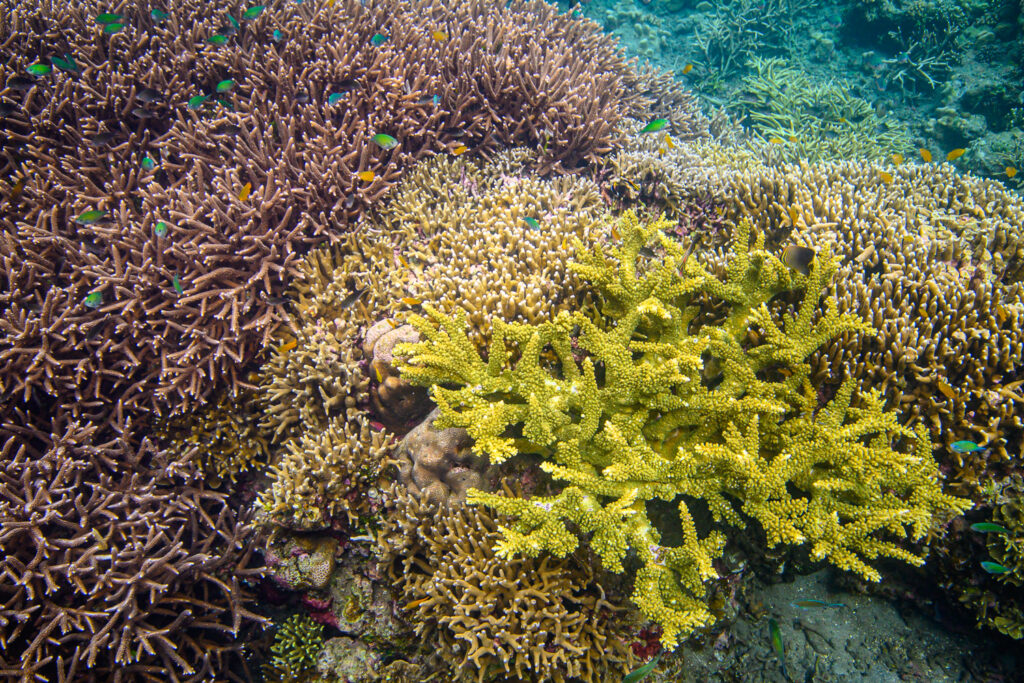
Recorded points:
534,619
439,465
395,402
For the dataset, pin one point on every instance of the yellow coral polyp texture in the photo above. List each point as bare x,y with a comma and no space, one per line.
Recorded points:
619,407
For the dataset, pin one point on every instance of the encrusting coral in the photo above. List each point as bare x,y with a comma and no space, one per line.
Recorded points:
617,409
296,648
532,619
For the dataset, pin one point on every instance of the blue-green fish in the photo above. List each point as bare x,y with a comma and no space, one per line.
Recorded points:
532,222
994,568
377,39
94,300
965,447
776,636
217,39
811,604
654,126
108,18
67,63
225,85
641,673
197,101
277,35
158,15
253,12
160,229
989,528
39,69
334,97
234,23
89,217
177,285
111,29
148,163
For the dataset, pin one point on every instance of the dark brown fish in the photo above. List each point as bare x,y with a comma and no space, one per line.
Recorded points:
798,258
345,85
144,113
226,129
149,96
352,298
101,139
20,83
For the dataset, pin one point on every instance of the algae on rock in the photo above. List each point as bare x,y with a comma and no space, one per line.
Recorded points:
619,407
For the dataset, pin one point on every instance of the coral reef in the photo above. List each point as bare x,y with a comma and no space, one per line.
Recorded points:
296,649
222,435
438,465
118,562
393,400
618,409
811,121
527,618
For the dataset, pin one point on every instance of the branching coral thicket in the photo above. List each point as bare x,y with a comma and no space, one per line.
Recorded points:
117,562
617,409
812,121
543,619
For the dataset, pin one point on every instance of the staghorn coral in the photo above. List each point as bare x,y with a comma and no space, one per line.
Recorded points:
223,435
116,562
322,477
812,122
633,421
532,619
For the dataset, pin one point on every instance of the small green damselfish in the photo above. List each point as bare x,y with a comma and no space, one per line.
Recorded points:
67,63
277,36
334,97
217,39
158,15
94,300
253,12
994,567
177,285
654,126
965,447
39,69
108,18
989,528
377,39
148,163
111,29
225,85
160,229
197,101
532,222
89,217
384,140
641,673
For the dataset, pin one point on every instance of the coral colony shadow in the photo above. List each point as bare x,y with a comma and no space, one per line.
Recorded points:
367,340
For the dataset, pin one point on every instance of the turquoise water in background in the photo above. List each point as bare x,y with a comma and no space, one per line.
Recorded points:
937,75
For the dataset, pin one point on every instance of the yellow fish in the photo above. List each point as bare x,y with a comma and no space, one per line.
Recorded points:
687,69
776,141
1010,171
615,232
287,346
410,301
401,259
792,138
669,143
955,154
925,154
897,159
1001,313
886,177
793,215
380,376
461,149
439,36
842,119
366,175
244,194
946,390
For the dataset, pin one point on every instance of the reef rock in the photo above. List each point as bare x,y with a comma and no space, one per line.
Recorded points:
438,465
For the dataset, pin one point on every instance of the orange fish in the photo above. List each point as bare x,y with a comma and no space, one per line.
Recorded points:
955,154
410,301
886,177
776,141
946,390
925,154
287,346
401,259
793,215
791,138
461,149
687,69
1010,171
244,194
897,159
439,36
366,175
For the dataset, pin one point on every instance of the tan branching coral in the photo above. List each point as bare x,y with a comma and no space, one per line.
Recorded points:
116,562
534,619
323,474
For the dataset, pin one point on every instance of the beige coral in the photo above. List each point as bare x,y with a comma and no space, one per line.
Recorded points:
534,619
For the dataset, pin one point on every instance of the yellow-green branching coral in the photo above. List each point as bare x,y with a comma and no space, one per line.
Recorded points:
620,408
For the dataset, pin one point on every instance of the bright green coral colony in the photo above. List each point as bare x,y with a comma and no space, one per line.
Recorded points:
619,409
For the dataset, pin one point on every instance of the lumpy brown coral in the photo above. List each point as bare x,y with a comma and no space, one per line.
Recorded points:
535,619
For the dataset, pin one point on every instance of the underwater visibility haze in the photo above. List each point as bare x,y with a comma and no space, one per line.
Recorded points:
491,341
